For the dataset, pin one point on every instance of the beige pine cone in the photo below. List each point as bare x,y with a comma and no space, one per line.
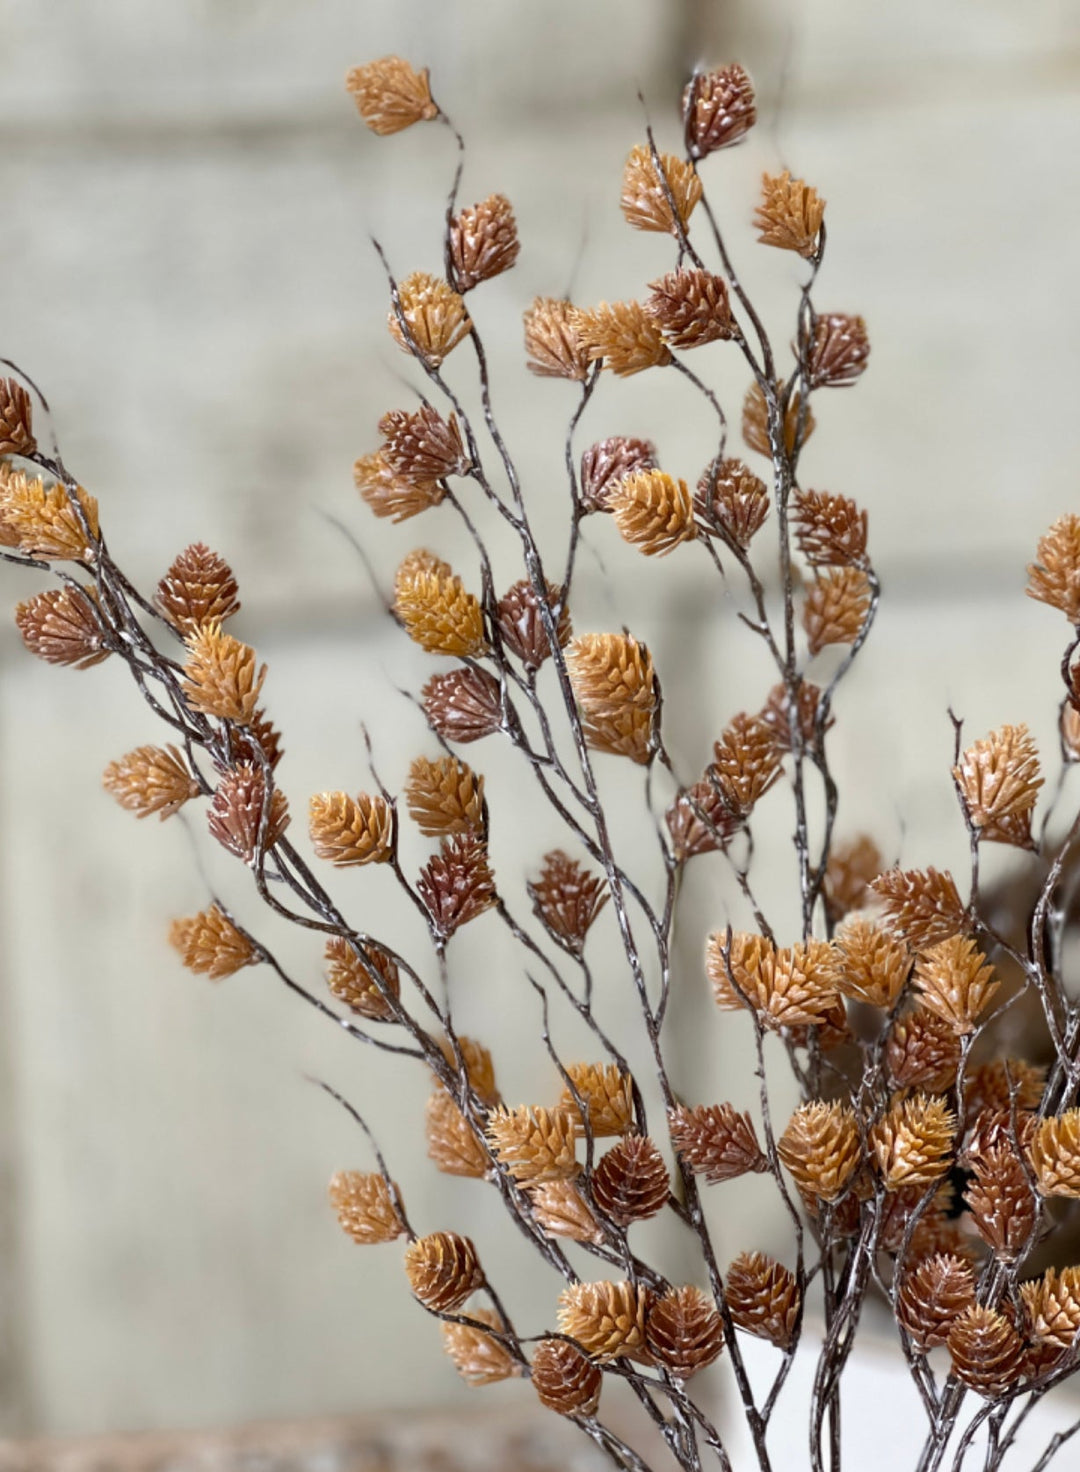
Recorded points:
365,1207
1053,1306
445,796
443,1270
1055,1154
562,1211
347,831
606,1319
913,1144
955,982
607,1094
452,1142
821,1148
873,964
478,1357
534,1144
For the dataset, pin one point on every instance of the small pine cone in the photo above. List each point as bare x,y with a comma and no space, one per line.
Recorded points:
443,1270
521,623
457,884
353,983
437,612
801,991
483,242
63,626
930,1296
731,498
782,717
388,494
16,419
236,813
423,446
1053,1306
608,1096
790,214
831,530
715,1141
566,900
419,561
259,741
851,869
390,96
1069,731
606,1319
606,462
1054,577
534,1144
763,1298
630,1182
658,193
955,982
220,678
922,906
463,705
821,1149
44,521
653,511
365,1207
987,1352
478,1357
755,421
913,1143
621,335
552,346
614,684
874,965
718,109
1055,1154
746,763
445,796
1002,1203
210,944
700,821
999,779
562,1211
752,962
692,307
452,1142
150,779
435,317
198,589
478,1064
990,1085
564,1379
347,831
839,350
836,609
684,1332
923,1052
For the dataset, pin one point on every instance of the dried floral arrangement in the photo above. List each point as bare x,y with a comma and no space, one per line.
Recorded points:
925,1164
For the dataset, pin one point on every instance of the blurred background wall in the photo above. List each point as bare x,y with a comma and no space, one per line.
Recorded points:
186,268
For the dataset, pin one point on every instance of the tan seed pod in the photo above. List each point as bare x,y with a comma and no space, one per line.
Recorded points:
684,1332
445,796
522,626
150,779
839,350
388,494
419,561
478,1064
43,520
552,345
351,830
220,676
747,970
437,612
1055,1154
456,884
786,718
912,1144
606,1319
16,419
851,869
354,983
836,609
1003,1205
463,705
718,109
534,1144
659,193
653,511
236,815
63,626
987,1352
443,1270
435,318
922,906
210,944
746,763
821,1149
630,1182
755,421
790,214
922,1052
763,1297
930,1296
480,1359
452,1142
700,820
564,1379
390,95
991,1085
567,899
483,241
831,530
423,446
621,335
732,499
198,589
1053,1306
365,1207
1054,577
604,464
608,1096
802,989
954,981
874,964
715,1141
692,307
615,686
562,1211
999,780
